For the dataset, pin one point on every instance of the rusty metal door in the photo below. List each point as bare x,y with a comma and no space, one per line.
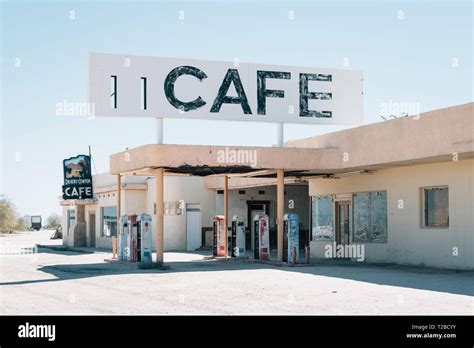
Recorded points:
342,222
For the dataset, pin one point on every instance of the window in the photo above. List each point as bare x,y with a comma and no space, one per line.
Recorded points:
435,207
370,217
322,218
109,221
113,92
171,208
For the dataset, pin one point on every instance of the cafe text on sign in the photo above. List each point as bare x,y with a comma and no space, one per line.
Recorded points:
134,86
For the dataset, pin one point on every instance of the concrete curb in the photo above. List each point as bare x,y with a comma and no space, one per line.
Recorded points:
248,260
140,265
60,248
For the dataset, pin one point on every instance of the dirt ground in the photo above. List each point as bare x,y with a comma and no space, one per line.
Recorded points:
52,282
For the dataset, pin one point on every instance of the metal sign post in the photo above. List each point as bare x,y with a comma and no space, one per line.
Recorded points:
280,134
159,130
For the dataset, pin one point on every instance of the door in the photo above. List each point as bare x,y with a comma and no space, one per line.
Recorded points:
253,214
71,219
92,230
254,209
193,227
342,222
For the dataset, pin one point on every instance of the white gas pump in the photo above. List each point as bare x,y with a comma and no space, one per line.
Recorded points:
262,238
219,236
144,240
123,238
132,240
238,237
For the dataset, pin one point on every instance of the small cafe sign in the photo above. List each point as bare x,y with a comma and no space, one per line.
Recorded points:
77,178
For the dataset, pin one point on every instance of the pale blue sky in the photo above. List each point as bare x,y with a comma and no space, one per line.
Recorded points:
403,60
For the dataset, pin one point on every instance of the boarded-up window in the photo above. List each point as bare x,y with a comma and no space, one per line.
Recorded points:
323,216
378,217
436,207
370,217
171,208
361,214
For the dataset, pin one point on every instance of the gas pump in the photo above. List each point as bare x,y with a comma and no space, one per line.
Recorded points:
219,236
255,237
133,236
291,238
144,241
261,238
123,237
238,237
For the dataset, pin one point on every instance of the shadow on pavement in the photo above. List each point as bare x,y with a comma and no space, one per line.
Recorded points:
448,281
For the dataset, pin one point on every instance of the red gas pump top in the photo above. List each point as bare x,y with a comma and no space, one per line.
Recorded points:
132,218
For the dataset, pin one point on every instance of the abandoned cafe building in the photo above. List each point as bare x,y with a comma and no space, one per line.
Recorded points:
407,191
402,188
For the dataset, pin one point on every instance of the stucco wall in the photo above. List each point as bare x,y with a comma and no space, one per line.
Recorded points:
408,242
133,202
138,196
67,234
92,208
436,133
176,188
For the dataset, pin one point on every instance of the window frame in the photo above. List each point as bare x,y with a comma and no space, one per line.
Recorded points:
422,203
370,240
333,200
102,234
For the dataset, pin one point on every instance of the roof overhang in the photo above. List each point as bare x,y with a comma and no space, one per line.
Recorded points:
437,136
202,160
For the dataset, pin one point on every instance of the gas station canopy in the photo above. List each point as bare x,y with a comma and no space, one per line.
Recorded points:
231,160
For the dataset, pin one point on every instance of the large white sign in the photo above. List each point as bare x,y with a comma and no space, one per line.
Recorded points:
121,85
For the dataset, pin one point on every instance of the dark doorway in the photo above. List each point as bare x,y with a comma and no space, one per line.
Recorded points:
342,222
92,230
254,208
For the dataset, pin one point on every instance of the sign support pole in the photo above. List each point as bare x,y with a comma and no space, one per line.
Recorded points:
119,205
159,215
280,195
280,211
226,211
159,130
280,134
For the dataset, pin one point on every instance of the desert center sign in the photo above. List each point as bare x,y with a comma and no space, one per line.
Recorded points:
77,178
134,86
